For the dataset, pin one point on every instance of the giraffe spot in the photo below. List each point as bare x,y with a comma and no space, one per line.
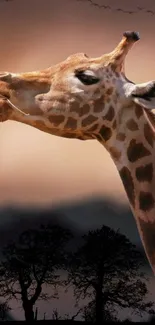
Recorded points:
80,110
128,184
113,67
110,114
114,124
116,154
144,173
56,119
146,201
97,92
93,127
138,111
147,230
105,133
121,136
136,151
74,107
149,135
84,110
99,138
99,105
132,125
71,123
89,120
63,100
109,91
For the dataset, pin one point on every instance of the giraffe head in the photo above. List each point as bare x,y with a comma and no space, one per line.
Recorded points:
87,93
79,97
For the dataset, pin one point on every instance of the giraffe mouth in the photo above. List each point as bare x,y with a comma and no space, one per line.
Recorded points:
6,100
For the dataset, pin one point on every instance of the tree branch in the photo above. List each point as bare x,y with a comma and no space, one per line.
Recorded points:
110,8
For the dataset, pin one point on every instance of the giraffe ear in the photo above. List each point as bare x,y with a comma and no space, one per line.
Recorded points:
144,94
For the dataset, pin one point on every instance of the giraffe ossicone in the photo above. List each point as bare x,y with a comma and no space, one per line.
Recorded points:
91,98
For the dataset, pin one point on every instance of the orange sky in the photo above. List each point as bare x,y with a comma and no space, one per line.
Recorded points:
40,168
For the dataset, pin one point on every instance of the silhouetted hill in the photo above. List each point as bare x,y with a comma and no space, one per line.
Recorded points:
79,216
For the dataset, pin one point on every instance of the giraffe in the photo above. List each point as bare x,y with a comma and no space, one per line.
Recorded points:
91,98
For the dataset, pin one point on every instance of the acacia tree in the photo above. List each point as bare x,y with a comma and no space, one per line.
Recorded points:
107,270
35,259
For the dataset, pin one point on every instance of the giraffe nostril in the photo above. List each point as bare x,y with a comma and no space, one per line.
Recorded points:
133,36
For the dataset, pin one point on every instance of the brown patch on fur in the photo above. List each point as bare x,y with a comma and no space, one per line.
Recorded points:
144,173
114,124
105,133
121,136
97,92
138,111
113,67
71,135
74,107
109,91
128,184
110,114
149,135
83,110
136,151
132,125
99,104
146,201
71,123
89,120
56,119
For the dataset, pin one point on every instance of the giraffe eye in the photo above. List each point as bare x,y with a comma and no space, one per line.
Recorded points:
87,78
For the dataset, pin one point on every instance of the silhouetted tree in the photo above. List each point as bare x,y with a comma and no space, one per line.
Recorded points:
4,310
106,269
56,316
89,313
35,259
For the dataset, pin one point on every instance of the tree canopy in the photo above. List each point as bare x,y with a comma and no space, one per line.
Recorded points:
33,261
106,269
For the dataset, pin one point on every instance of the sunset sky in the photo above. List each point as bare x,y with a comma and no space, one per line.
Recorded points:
41,169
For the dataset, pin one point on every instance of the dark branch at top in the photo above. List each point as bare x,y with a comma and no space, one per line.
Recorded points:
129,12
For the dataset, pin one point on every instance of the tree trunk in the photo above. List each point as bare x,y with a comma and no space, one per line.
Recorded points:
99,305
28,310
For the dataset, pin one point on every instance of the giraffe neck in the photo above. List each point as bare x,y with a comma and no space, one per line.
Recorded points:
132,148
